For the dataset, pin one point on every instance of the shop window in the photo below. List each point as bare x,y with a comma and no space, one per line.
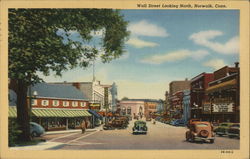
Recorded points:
55,103
74,104
45,102
65,103
34,102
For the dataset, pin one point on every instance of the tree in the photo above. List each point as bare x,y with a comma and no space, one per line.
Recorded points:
40,41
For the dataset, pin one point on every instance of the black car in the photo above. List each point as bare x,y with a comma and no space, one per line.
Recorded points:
140,127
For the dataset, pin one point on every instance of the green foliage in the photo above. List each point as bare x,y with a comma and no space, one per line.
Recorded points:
13,132
34,44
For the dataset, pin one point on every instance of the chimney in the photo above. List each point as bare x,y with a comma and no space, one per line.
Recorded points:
236,64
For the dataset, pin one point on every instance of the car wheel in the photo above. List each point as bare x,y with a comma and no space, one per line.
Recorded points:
34,134
220,135
230,136
212,141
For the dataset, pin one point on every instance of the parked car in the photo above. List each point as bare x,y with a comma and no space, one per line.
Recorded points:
140,127
222,129
190,121
36,130
234,131
200,130
119,122
178,122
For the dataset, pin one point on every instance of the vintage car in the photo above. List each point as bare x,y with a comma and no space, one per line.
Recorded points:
222,129
140,127
36,130
200,130
234,131
117,123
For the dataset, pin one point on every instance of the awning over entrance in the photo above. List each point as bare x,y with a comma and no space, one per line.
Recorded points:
52,113
95,114
222,85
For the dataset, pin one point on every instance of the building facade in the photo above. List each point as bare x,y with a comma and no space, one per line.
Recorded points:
96,94
186,106
198,96
223,103
132,107
57,107
176,86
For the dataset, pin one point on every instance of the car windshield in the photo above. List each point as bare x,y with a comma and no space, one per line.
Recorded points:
202,125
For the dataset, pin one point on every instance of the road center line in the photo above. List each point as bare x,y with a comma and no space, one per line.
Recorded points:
82,137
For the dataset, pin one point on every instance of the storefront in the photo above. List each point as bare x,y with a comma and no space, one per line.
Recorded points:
57,119
224,100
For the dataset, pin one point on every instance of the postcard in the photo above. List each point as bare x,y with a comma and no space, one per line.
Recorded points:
124,79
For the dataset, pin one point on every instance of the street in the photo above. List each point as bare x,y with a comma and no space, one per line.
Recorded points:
159,137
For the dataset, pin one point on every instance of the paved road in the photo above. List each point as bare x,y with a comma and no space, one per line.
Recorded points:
160,136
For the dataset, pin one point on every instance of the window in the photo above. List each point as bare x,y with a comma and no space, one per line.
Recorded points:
129,111
83,104
45,102
55,103
74,104
65,103
34,102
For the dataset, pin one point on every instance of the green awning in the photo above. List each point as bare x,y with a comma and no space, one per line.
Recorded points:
52,113
76,113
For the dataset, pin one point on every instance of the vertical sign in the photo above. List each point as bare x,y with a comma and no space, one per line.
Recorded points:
106,97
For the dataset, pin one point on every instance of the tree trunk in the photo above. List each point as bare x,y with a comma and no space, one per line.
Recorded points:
23,110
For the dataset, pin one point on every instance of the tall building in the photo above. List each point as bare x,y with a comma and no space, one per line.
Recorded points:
176,86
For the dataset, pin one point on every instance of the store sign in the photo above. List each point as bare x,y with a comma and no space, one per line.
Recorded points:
223,107
207,108
94,104
106,96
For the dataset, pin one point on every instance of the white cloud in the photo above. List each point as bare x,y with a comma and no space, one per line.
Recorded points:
204,38
215,63
175,56
144,28
138,43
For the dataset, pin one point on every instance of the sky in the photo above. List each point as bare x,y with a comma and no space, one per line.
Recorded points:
165,46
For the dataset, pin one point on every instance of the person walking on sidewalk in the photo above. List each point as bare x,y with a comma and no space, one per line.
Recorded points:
83,126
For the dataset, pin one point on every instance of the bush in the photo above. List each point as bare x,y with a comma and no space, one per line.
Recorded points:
13,132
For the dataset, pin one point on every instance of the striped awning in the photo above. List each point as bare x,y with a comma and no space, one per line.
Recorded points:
12,112
52,113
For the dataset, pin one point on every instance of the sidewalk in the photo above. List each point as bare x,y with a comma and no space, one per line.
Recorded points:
50,145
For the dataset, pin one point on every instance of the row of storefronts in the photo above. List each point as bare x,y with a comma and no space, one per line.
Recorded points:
58,107
211,97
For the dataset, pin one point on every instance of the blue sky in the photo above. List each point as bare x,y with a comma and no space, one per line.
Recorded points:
166,45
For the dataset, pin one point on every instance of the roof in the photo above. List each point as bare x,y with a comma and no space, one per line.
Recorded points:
57,91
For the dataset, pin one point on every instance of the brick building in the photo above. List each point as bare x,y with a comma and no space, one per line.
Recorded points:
199,84
224,95
176,86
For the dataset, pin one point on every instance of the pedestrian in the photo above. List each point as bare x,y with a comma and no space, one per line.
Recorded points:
83,126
